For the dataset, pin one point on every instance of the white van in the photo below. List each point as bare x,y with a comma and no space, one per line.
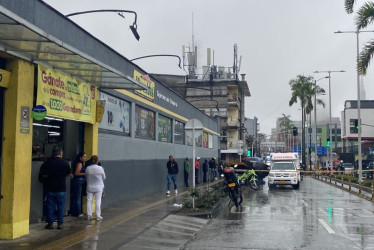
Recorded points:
284,170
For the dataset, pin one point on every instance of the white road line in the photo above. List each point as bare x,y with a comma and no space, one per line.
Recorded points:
327,227
304,202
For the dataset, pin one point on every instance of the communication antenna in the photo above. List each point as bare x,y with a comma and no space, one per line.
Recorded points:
190,56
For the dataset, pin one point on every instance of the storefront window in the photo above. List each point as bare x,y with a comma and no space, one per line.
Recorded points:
144,123
116,115
164,129
210,141
46,134
205,140
178,132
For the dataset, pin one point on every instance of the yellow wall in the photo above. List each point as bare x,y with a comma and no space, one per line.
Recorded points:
16,154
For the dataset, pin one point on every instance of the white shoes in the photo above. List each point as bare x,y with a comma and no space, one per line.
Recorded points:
176,191
99,217
89,217
168,192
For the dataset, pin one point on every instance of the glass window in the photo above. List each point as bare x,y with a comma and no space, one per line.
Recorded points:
178,132
319,130
164,129
144,123
210,141
205,140
116,115
46,134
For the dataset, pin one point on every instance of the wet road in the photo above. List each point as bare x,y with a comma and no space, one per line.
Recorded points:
317,216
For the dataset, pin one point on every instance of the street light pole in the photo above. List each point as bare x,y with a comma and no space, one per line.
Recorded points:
330,123
357,32
315,119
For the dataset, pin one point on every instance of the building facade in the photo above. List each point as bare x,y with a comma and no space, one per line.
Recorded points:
62,86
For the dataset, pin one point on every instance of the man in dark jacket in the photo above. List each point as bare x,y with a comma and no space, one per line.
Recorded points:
205,169
54,173
173,170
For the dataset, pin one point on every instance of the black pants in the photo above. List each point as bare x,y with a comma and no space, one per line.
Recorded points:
186,179
204,176
196,176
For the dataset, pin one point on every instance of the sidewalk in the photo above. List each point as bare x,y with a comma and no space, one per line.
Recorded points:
121,225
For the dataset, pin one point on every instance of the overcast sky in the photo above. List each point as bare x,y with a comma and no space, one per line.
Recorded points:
277,39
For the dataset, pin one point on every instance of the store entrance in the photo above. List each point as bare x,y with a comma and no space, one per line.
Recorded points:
46,134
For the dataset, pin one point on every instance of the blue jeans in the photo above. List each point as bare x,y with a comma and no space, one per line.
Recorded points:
76,196
55,199
172,177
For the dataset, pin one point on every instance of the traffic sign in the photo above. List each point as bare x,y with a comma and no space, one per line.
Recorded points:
240,151
239,143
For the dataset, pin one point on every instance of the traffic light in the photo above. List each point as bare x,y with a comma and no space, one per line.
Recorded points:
249,153
328,142
356,124
294,131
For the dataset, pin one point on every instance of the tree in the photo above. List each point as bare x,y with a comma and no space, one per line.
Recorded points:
365,16
286,125
303,90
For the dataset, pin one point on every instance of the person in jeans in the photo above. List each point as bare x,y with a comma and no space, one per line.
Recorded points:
95,177
54,172
76,184
173,170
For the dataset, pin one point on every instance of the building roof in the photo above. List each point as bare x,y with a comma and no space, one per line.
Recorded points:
364,104
34,31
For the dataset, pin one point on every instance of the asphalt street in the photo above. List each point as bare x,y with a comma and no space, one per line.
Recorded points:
317,216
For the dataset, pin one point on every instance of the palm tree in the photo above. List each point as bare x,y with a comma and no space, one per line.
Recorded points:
303,89
286,125
365,16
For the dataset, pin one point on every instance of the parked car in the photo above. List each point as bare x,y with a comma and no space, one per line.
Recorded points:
368,171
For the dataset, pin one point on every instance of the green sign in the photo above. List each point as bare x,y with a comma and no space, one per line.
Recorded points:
39,112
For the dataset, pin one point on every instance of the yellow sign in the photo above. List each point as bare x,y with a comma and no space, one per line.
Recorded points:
100,108
146,80
4,78
66,97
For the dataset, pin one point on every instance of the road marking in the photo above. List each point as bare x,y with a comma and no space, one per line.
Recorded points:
327,227
305,204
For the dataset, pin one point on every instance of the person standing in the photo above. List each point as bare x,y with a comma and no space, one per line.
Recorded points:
197,167
205,170
95,177
54,172
186,171
173,170
76,184
212,169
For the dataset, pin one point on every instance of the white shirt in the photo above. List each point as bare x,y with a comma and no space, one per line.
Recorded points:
95,177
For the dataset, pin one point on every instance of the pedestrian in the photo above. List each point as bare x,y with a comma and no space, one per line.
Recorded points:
186,171
76,184
205,170
173,170
212,169
197,167
95,177
54,173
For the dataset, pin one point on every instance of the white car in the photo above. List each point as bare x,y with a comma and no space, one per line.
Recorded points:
284,173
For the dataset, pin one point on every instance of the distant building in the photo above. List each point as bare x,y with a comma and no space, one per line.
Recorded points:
349,121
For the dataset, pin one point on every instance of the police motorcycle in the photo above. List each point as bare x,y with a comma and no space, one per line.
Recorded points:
232,186
250,179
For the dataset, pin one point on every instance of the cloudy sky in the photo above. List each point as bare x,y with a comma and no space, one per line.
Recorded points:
277,40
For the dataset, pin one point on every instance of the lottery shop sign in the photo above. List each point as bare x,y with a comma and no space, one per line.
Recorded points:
66,97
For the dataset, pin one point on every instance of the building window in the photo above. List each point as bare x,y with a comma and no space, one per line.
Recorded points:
164,129
144,123
178,132
219,90
116,115
198,92
222,112
319,130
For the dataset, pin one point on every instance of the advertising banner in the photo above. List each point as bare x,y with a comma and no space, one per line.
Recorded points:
149,93
116,115
144,123
164,129
66,97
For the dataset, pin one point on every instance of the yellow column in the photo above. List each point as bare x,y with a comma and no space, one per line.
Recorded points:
91,139
16,154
